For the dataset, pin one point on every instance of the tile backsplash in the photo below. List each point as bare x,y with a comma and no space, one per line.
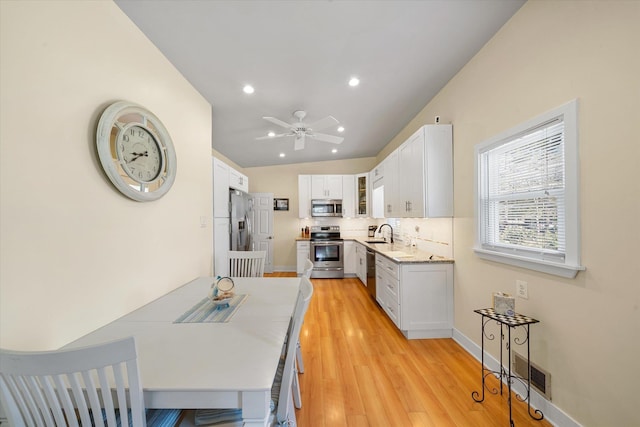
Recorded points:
433,235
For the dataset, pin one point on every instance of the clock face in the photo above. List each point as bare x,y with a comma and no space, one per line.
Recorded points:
136,151
140,155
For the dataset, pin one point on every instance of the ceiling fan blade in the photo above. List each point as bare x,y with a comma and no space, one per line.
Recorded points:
299,143
326,138
278,122
323,123
274,136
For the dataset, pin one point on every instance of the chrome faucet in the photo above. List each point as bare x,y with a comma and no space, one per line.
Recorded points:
390,228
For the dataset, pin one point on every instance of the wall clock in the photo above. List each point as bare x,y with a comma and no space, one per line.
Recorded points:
136,151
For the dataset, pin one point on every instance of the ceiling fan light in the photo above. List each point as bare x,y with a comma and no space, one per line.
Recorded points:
271,134
354,81
282,154
335,150
341,129
248,89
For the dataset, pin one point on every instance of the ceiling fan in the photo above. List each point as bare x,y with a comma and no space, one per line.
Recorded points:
301,130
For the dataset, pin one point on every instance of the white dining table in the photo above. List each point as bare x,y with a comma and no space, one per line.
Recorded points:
209,365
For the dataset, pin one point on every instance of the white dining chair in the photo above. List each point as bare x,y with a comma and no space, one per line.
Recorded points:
72,388
297,397
308,268
282,405
246,263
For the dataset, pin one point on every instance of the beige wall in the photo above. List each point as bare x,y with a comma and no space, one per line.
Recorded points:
547,54
282,181
74,253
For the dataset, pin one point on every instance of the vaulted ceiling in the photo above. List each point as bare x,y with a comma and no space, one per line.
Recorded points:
300,55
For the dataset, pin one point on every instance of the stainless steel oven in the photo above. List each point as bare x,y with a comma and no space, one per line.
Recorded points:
326,252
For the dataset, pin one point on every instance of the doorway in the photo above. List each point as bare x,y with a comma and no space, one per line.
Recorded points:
262,220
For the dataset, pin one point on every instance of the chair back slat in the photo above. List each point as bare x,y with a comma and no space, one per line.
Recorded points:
64,387
246,263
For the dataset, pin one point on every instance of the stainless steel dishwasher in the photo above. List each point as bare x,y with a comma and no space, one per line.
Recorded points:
371,273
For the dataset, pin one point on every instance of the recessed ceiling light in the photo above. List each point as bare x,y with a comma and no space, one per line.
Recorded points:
271,134
248,89
335,150
341,129
354,81
281,154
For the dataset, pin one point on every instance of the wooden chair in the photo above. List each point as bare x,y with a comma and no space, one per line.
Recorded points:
246,263
40,388
282,409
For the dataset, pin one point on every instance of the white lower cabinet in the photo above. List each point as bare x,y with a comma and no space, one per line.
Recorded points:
417,297
349,258
361,262
302,252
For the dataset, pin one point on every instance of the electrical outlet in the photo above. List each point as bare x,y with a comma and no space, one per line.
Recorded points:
522,289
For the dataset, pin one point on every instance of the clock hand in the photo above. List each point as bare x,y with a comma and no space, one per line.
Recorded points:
138,155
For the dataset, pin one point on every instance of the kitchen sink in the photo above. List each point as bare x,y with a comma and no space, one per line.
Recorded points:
373,242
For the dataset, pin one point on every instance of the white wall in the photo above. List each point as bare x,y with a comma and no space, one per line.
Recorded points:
549,53
74,253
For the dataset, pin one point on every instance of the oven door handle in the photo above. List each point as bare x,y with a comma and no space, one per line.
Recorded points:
327,243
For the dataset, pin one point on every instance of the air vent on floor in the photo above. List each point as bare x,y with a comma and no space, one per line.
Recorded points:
540,379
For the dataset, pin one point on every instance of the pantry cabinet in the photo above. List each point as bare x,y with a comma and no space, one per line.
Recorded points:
417,297
349,196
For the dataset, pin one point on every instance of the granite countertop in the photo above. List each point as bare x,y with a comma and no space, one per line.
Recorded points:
396,252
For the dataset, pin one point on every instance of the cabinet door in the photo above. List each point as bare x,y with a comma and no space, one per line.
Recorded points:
318,190
326,186
362,195
427,297
334,186
238,181
302,255
349,257
439,171
221,246
304,196
220,189
349,196
411,176
391,187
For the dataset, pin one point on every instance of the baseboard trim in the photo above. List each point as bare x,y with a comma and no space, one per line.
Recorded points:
551,412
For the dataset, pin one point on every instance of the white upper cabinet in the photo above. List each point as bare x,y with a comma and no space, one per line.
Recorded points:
363,191
304,196
326,187
349,196
220,189
392,196
418,176
238,181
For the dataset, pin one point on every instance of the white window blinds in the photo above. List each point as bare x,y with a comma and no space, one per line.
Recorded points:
522,193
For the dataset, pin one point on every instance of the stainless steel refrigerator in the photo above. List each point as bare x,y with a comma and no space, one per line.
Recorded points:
241,238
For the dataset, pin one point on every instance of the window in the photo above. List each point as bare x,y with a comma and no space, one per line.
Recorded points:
527,195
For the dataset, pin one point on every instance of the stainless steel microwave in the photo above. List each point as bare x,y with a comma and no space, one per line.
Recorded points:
326,207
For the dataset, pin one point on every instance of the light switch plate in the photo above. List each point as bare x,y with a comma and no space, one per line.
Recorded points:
522,289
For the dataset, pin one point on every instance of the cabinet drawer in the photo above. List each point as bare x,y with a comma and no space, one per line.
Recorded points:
391,307
388,266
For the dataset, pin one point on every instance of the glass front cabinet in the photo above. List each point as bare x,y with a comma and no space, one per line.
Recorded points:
362,195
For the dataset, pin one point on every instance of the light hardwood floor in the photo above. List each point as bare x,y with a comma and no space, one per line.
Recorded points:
361,371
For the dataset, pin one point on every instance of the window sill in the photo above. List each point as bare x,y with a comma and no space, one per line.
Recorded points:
562,270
